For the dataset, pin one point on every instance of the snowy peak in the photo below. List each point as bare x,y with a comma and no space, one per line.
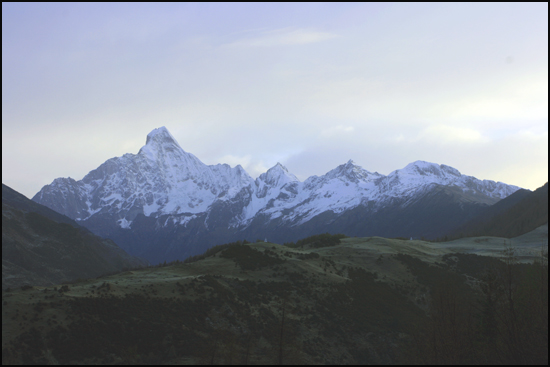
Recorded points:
163,179
450,170
63,182
159,143
409,179
277,176
423,168
424,172
418,174
352,172
161,136
270,184
164,152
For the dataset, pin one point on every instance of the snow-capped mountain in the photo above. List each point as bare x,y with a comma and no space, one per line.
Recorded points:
160,179
166,189
417,174
348,186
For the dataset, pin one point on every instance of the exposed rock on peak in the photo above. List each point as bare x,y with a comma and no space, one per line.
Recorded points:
164,188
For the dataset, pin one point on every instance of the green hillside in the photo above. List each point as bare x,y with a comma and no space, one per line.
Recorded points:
354,301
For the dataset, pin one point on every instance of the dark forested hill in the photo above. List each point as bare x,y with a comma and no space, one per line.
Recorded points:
521,212
21,202
42,247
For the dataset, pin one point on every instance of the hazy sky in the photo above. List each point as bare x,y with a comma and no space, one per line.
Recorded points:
307,85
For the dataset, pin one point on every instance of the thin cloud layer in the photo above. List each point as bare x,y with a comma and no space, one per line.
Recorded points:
307,85
284,37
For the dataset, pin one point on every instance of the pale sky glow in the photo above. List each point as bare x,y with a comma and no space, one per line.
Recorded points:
307,85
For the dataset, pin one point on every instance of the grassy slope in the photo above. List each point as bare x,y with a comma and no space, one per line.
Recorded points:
354,303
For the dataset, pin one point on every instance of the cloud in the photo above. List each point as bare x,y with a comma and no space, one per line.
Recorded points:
233,160
284,37
334,130
446,134
519,98
254,167
383,86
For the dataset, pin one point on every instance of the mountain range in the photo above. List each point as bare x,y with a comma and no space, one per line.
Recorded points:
163,203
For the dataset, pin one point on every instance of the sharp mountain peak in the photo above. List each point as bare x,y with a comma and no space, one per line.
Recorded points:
164,181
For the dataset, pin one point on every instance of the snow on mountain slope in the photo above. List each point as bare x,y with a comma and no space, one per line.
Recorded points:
275,184
349,185
164,179
408,180
342,188
277,176
161,179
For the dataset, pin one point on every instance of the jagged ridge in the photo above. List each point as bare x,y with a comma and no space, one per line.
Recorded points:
163,181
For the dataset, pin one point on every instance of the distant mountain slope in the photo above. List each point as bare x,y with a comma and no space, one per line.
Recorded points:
163,203
21,202
41,247
521,212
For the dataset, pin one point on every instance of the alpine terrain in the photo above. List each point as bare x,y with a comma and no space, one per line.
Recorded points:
163,203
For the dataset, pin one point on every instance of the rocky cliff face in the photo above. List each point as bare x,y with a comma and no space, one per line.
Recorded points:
163,192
